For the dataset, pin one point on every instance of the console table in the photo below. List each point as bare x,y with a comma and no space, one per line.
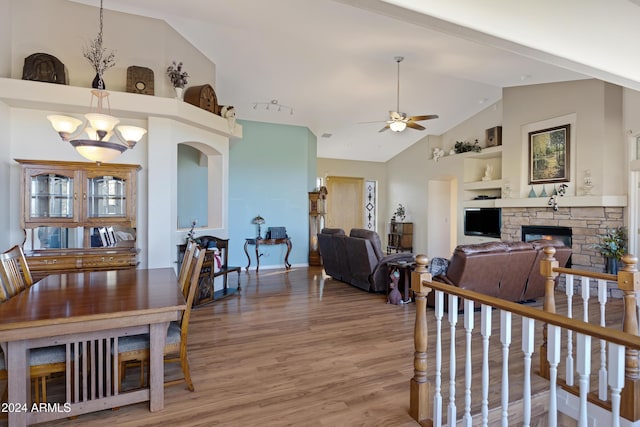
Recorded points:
258,242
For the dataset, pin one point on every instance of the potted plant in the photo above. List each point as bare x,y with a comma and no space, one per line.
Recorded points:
464,146
612,245
178,77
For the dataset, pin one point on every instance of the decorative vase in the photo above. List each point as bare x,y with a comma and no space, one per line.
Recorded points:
612,265
178,92
96,82
532,193
543,193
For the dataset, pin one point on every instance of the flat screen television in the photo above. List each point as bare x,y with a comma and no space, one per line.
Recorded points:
482,222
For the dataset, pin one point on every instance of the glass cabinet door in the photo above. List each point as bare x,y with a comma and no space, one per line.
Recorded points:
106,197
51,196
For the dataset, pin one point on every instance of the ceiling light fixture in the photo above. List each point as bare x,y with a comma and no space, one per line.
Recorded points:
397,126
273,103
98,126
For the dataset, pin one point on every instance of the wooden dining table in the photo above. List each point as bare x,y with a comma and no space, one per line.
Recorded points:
87,312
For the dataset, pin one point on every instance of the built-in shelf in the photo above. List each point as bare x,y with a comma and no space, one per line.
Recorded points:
75,100
486,203
494,184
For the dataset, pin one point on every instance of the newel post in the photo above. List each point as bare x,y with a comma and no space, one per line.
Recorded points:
547,264
421,399
629,284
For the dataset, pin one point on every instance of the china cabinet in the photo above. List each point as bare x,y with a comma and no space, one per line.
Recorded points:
78,216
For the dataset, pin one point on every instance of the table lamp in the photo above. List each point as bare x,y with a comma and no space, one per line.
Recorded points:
258,220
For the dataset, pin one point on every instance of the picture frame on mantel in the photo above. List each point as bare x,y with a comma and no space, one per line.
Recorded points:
549,155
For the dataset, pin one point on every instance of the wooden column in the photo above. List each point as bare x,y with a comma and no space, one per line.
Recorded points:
629,283
421,396
547,264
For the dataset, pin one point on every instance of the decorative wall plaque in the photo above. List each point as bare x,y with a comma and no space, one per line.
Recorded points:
43,67
140,80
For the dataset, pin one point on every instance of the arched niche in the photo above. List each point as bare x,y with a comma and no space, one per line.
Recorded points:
199,185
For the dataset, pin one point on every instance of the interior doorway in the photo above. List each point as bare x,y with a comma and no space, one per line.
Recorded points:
441,218
345,206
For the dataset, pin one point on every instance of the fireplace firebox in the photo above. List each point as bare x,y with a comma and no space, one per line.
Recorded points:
548,232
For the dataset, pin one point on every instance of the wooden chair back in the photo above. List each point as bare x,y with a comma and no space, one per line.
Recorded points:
186,268
198,259
14,271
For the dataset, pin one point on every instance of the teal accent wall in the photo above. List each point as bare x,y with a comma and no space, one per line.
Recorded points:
271,170
192,185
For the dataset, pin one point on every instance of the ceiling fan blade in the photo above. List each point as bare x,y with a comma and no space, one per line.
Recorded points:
414,125
427,117
384,128
375,121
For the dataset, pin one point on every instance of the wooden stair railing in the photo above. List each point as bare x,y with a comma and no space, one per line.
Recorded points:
422,405
628,280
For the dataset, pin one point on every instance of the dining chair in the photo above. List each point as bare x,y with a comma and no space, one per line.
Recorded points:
3,376
184,272
4,295
14,270
16,277
136,347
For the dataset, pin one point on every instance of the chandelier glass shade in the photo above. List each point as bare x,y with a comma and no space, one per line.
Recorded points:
397,126
98,128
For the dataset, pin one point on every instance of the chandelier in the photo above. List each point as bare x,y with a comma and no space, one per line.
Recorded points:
99,125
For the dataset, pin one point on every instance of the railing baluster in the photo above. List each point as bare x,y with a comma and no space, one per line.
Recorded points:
528,333
584,369
485,327
602,373
437,398
453,321
553,357
468,327
505,339
569,359
616,380
584,284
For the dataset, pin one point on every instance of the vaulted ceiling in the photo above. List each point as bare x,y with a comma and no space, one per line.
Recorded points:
332,63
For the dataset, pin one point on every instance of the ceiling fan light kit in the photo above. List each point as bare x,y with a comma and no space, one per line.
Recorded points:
398,121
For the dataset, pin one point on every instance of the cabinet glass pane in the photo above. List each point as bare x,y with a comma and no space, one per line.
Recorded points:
106,197
51,196
53,238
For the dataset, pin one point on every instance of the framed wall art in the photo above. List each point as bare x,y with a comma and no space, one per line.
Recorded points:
549,155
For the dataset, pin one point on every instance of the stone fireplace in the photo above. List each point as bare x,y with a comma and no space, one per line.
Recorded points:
585,224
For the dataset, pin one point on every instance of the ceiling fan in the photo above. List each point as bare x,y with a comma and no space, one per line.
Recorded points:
399,121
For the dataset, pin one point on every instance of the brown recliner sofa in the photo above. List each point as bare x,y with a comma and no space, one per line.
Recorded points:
507,270
357,259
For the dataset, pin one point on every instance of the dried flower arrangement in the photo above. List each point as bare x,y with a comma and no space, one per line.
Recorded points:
97,55
176,75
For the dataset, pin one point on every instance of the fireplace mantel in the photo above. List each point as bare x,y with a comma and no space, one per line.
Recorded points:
566,201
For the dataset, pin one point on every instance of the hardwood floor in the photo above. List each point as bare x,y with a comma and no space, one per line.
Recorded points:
294,349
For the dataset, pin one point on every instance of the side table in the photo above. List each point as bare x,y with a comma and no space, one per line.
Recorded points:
258,242
404,268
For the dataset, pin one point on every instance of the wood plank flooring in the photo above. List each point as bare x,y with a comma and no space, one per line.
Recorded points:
296,349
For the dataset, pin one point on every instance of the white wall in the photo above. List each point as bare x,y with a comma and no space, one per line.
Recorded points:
26,133
62,28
